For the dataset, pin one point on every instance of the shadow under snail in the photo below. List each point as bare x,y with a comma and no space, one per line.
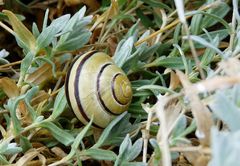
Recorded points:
96,87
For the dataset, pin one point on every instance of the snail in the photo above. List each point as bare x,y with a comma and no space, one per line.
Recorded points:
95,86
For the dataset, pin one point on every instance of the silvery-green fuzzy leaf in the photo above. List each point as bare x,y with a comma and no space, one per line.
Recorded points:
3,160
180,126
225,148
75,20
59,104
25,143
59,134
219,11
205,43
3,53
133,164
47,35
26,63
123,51
134,150
107,131
35,30
12,106
226,110
124,145
157,151
100,154
74,43
12,149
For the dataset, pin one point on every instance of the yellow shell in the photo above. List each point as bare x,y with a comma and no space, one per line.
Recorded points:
96,87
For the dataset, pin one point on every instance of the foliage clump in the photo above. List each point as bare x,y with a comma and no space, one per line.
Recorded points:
183,62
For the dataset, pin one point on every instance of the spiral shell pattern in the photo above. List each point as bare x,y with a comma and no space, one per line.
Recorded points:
96,87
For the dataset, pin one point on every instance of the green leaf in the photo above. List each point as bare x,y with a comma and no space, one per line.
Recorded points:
77,141
160,89
168,62
219,12
222,34
135,150
180,126
25,143
209,53
205,43
59,104
100,154
47,35
123,51
225,109
125,144
59,134
30,94
215,17
12,106
225,148
157,152
155,3
21,31
196,24
75,43
25,65
133,164
107,130
35,30
144,19
3,160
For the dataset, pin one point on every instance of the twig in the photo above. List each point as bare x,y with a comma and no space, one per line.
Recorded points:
146,132
10,64
7,28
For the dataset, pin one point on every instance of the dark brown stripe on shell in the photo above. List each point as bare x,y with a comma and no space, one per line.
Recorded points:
98,89
76,92
67,82
113,91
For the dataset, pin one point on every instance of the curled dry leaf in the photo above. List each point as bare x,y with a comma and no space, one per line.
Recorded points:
28,156
200,112
58,152
40,97
9,87
174,80
41,75
23,114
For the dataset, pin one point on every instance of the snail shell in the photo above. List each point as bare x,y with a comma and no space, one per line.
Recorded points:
96,87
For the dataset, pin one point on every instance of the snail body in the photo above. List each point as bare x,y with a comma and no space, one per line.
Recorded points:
96,87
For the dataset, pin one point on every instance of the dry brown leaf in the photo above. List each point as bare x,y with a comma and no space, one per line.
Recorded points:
42,74
9,87
92,4
174,81
218,82
200,112
23,114
40,97
58,152
112,44
28,156
230,66
108,14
